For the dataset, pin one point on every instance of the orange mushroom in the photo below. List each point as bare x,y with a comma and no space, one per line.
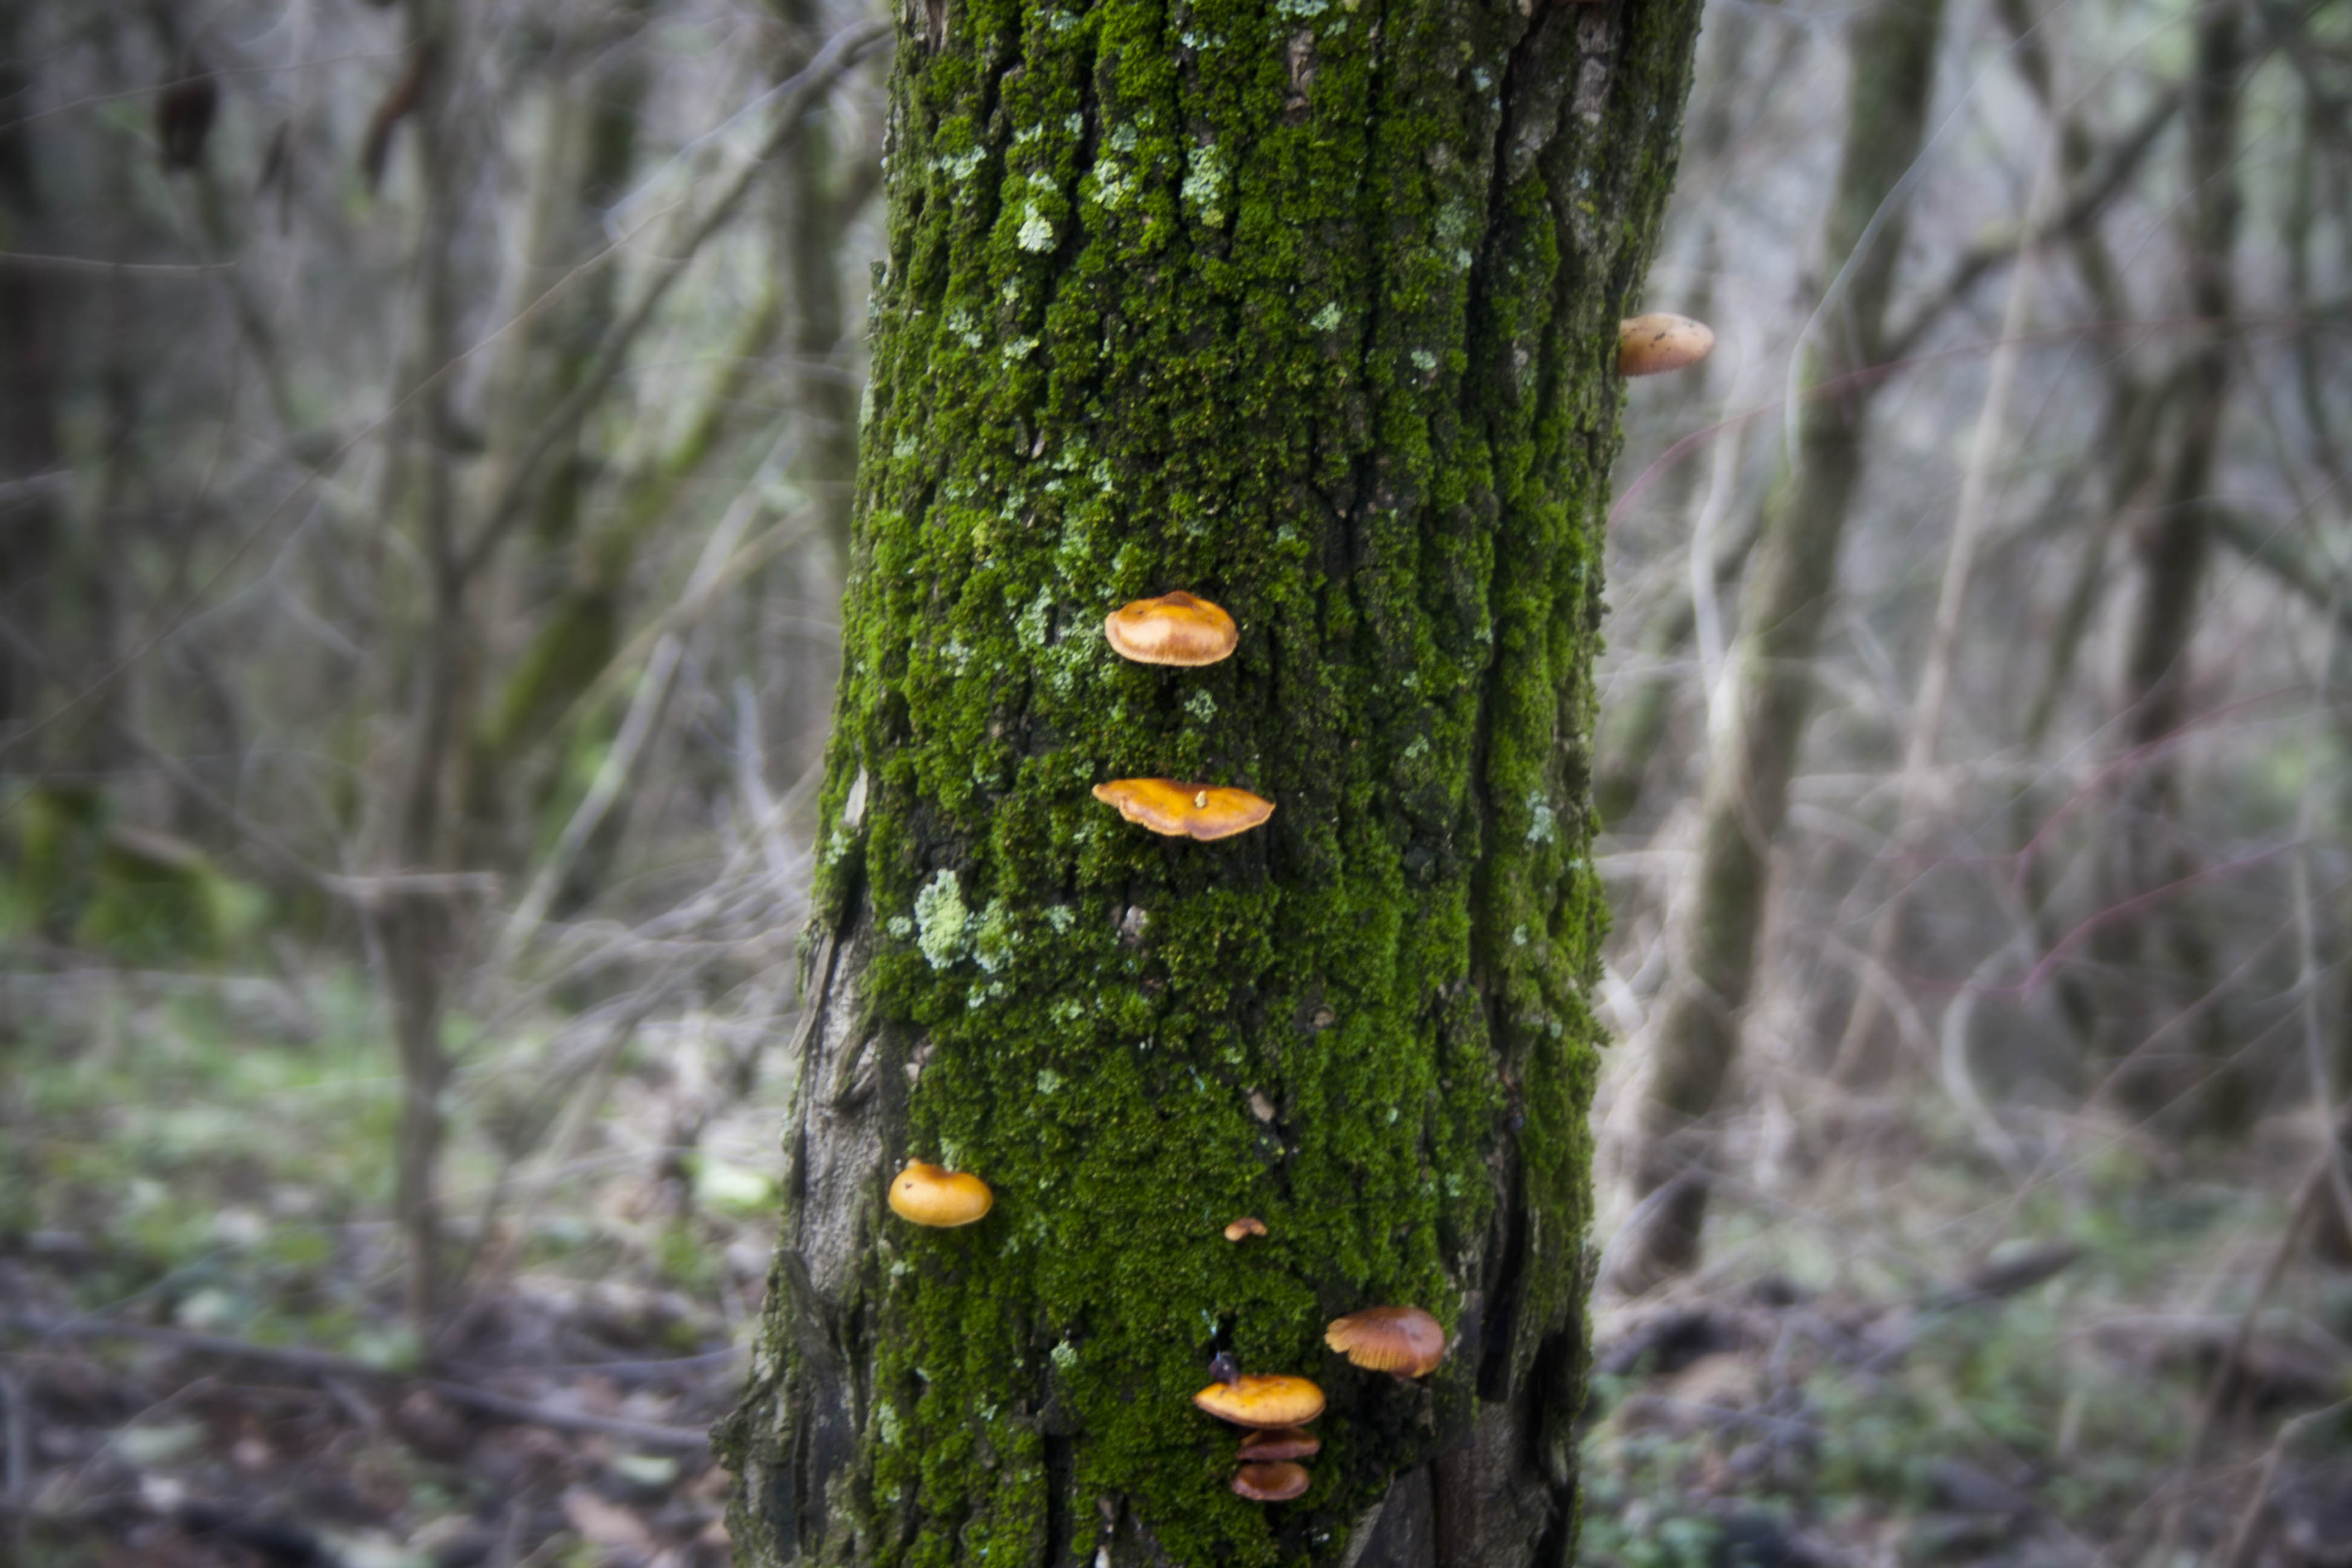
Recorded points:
1270,1483
1174,629
1263,1401
1405,1341
927,1195
1185,810
1655,343
1281,1443
1244,1228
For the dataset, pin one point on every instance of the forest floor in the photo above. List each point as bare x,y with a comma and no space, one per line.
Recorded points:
1914,1352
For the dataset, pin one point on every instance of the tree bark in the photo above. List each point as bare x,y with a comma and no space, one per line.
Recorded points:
1791,583
1311,311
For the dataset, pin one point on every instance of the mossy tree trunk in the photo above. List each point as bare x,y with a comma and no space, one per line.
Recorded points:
1310,309
1789,591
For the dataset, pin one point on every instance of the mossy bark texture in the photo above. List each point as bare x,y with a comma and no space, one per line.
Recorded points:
1308,309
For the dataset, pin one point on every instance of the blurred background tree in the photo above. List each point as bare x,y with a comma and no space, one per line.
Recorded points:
426,432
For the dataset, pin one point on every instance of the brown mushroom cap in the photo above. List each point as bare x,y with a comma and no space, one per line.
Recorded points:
926,1195
1281,1443
1263,1401
1270,1483
1247,1226
1655,343
1185,810
1405,1340
1174,629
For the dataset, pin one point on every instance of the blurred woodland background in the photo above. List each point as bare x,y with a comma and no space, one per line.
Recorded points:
425,480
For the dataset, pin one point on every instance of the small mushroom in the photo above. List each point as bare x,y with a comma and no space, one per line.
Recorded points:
1281,1443
1270,1483
1174,629
1241,1229
1263,1400
927,1195
1403,1340
1653,344
1185,810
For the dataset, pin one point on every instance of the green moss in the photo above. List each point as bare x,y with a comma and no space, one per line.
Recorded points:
1161,312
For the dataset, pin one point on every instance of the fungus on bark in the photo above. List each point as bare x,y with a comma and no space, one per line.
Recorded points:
1263,1400
1658,342
1174,629
1279,1444
1244,1228
1175,810
1403,1341
1270,1483
927,1195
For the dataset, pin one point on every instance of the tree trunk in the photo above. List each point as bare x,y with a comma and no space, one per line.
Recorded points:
1314,315
2168,960
1791,585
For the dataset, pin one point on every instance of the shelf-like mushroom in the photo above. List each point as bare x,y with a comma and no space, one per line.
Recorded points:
927,1195
1174,629
1263,1400
1205,812
1279,1444
1270,1483
1405,1341
1241,1229
1655,343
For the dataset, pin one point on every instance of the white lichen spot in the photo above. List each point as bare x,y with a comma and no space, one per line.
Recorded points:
886,1424
1065,1355
1048,1082
1035,623
1518,936
1542,827
1327,318
900,927
1020,348
1074,123
1419,749
942,925
959,166
1037,232
1121,139
1423,360
1204,183
904,446
1060,917
1202,706
1301,10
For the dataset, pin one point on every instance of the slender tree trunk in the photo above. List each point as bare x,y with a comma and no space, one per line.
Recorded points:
29,452
1791,583
2168,960
1311,311
414,928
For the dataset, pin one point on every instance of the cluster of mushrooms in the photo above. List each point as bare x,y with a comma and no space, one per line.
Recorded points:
1406,1342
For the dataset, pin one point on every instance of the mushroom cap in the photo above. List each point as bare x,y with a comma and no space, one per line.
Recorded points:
1185,810
1174,629
1279,1444
1405,1340
927,1195
1263,1400
1247,1226
1658,342
1270,1483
